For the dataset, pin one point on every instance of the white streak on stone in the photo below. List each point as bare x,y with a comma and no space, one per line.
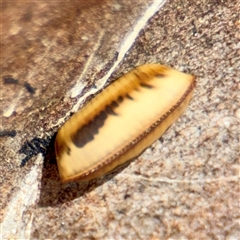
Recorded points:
77,89
9,110
15,224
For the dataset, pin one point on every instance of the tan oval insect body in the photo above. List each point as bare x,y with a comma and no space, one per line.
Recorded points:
121,121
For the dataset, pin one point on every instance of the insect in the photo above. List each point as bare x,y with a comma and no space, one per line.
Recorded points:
121,121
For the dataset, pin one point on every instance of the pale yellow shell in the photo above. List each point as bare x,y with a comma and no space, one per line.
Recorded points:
121,121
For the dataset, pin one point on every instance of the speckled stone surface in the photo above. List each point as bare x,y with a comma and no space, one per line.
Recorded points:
56,55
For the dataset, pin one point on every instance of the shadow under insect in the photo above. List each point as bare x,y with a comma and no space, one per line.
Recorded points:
52,191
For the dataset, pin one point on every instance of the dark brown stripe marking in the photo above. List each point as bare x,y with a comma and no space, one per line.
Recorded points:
146,85
99,120
83,136
160,75
87,132
110,111
114,104
129,97
68,150
120,99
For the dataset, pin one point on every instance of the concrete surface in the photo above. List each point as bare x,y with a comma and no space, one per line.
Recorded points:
55,55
